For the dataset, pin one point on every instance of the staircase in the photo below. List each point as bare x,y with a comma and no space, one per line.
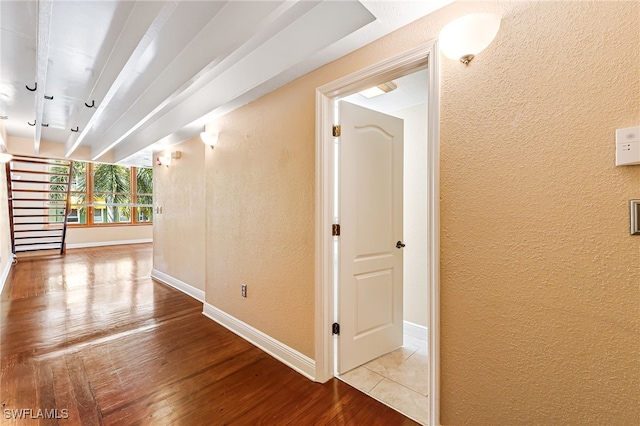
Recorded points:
39,202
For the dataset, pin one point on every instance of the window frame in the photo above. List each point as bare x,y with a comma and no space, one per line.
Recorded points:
89,202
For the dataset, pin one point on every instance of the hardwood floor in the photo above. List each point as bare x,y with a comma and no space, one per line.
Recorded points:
89,338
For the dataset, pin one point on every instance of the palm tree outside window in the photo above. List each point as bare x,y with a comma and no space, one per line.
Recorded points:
110,194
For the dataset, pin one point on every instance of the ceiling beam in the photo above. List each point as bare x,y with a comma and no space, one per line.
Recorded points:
42,62
127,70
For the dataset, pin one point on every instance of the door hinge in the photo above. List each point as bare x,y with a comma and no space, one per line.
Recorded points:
335,328
335,230
337,130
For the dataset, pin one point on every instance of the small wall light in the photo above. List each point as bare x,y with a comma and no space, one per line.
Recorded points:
209,139
163,161
5,157
468,35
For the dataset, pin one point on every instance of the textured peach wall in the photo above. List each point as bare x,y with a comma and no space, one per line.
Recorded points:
178,233
540,301
260,201
540,277
260,221
97,234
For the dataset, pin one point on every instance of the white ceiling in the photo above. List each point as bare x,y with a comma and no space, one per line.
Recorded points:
133,76
412,90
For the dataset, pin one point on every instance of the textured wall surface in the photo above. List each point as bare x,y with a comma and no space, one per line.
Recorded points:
178,233
260,201
95,234
540,277
260,230
540,299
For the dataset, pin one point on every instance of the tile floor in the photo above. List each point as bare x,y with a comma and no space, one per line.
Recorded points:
399,379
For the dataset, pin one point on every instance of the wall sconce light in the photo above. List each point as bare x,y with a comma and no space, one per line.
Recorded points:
165,160
5,157
468,35
209,139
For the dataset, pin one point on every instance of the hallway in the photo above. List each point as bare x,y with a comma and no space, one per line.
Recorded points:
90,337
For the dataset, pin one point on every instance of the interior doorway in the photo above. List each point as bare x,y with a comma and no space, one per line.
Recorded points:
392,369
327,264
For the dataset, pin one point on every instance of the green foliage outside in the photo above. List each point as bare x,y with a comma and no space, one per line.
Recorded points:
111,186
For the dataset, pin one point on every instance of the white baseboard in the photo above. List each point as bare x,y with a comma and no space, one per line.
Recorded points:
5,273
108,243
187,289
416,331
289,356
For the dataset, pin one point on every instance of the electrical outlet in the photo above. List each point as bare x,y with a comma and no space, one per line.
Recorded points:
243,292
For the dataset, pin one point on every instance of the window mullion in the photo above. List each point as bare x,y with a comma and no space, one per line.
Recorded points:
133,188
90,210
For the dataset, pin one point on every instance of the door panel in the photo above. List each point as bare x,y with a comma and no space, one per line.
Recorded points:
370,287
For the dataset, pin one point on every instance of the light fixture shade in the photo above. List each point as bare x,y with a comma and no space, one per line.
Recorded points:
469,34
163,160
5,157
209,139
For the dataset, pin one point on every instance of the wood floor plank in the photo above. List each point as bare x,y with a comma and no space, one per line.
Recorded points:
92,334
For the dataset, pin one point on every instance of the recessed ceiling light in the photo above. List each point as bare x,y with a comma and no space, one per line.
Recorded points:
378,90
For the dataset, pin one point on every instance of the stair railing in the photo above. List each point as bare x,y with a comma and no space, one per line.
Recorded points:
10,199
67,208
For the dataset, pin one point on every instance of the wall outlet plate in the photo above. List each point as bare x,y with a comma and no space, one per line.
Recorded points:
243,292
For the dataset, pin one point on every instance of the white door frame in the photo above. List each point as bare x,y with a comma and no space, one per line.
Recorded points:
324,271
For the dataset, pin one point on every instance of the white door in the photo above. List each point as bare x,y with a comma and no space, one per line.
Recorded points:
370,280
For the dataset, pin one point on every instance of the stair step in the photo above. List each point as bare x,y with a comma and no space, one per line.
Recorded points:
38,172
37,237
37,223
36,160
57,247
38,208
38,243
41,191
43,182
38,215
37,230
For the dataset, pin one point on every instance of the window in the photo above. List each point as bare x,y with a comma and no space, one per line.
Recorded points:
107,194
143,195
111,193
78,194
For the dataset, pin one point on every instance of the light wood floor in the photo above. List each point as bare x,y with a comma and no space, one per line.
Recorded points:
90,335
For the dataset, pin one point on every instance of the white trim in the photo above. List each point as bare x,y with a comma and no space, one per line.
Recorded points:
108,243
416,331
433,242
5,273
289,356
187,289
392,68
